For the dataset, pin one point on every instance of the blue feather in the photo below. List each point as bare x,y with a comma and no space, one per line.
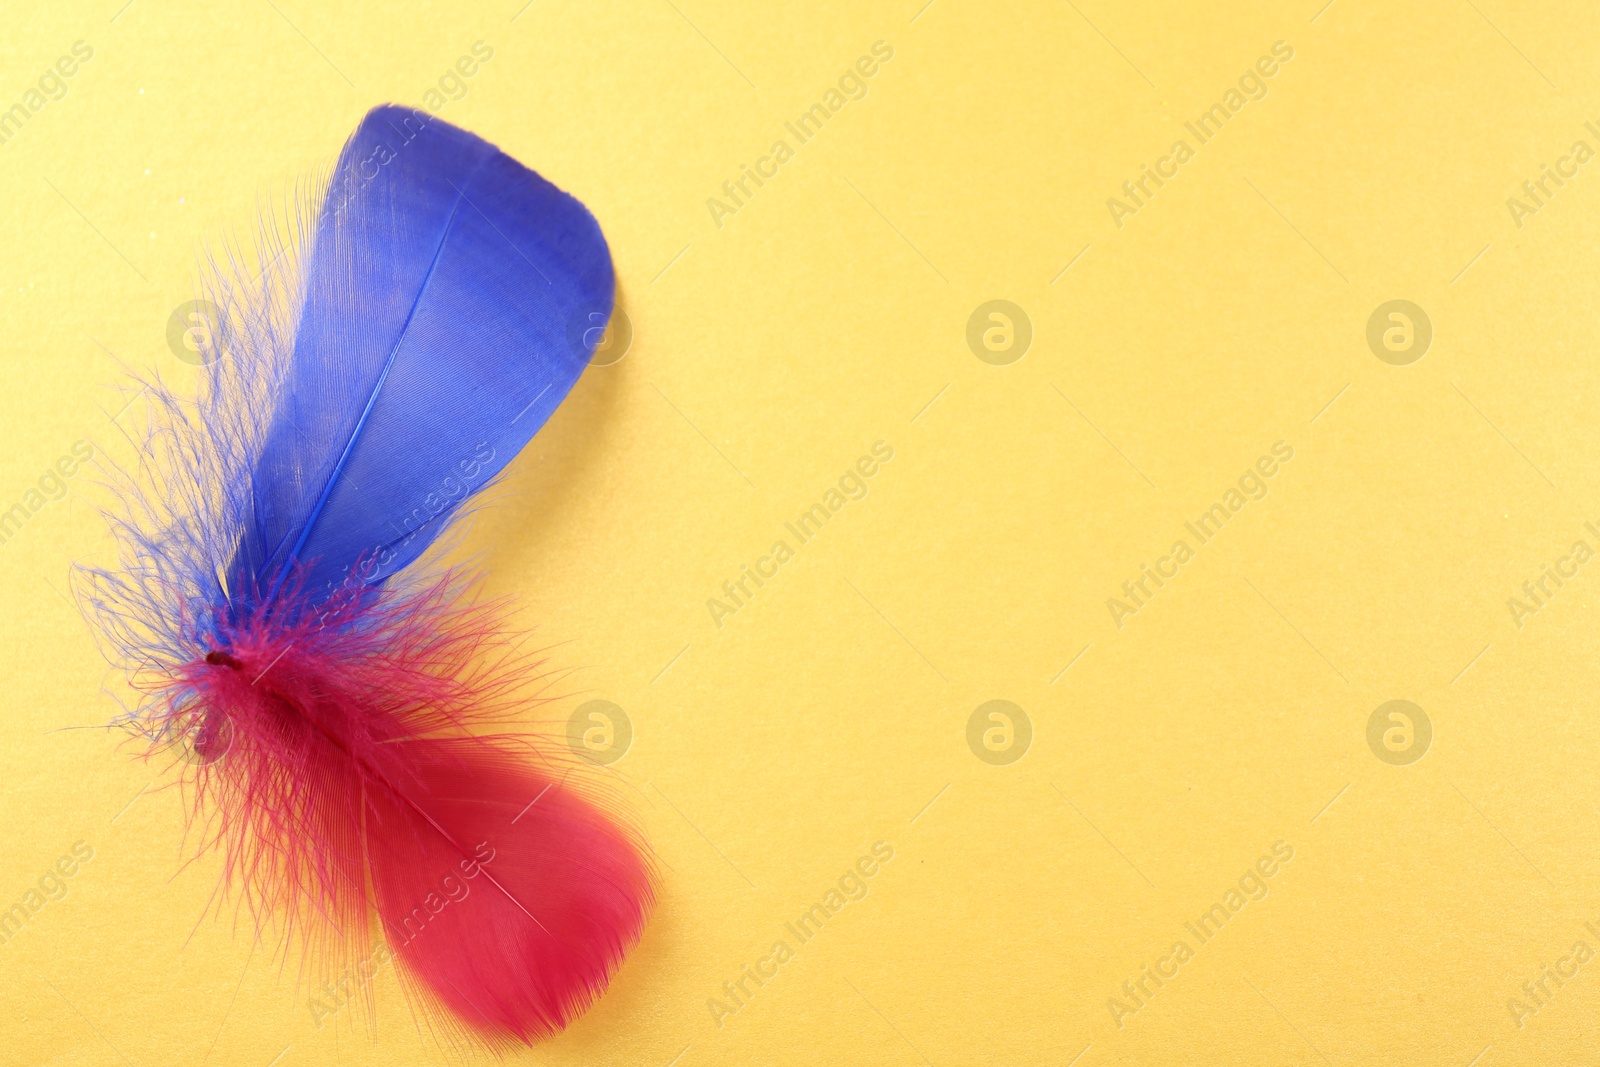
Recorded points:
435,337
395,343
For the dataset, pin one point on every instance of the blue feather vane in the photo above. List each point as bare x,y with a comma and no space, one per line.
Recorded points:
343,702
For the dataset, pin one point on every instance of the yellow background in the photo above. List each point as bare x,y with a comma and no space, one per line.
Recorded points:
768,354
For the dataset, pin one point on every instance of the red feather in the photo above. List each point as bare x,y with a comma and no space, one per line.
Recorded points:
357,795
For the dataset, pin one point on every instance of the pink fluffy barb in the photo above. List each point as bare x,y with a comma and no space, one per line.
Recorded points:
336,755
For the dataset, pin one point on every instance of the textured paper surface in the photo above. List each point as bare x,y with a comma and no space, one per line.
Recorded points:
782,732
